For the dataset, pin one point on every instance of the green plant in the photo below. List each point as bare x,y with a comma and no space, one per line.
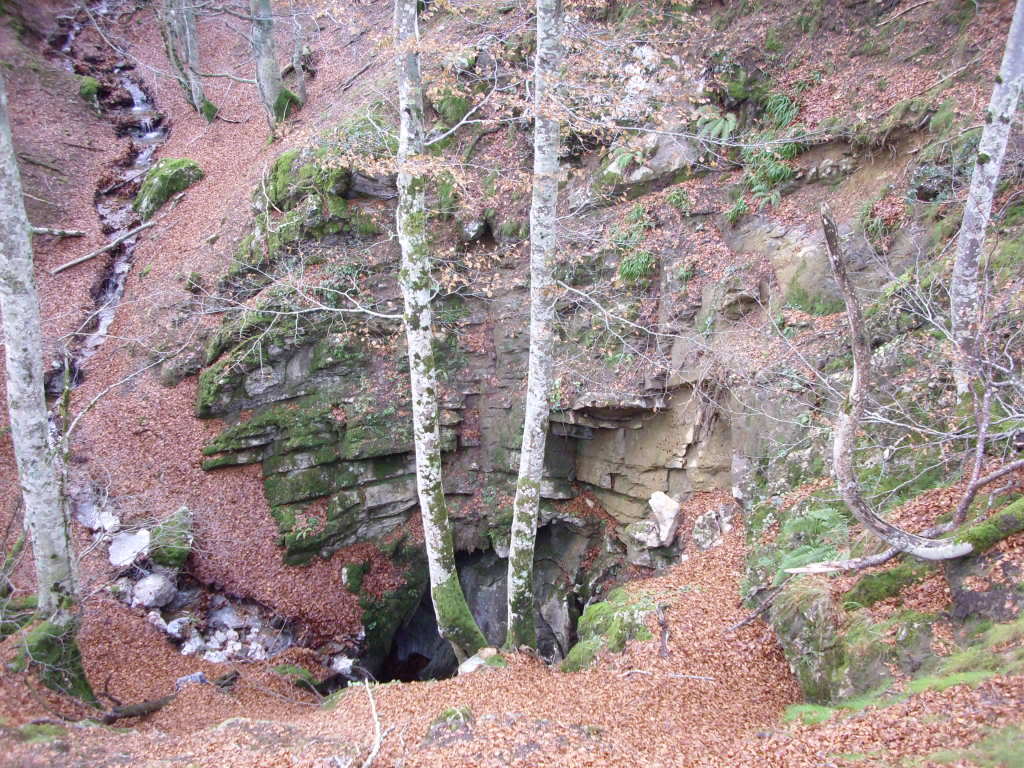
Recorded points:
780,109
738,210
636,266
772,43
680,200
718,127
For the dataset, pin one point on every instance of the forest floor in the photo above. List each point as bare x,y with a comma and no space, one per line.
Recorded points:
705,696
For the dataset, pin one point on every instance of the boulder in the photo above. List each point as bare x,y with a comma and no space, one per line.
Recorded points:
665,511
153,591
126,546
709,527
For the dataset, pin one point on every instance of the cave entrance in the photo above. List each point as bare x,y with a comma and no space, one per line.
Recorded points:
418,652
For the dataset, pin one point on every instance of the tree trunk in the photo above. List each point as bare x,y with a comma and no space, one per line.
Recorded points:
965,302
521,625
454,620
45,510
277,99
844,434
181,40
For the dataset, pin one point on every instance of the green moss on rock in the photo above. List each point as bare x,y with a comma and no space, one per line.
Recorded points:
879,586
52,649
164,180
996,528
89,88
608,625
171,540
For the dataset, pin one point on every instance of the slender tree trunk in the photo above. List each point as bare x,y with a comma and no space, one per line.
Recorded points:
965,302
522,629
276,99
844,433
45,510
454,620
181,40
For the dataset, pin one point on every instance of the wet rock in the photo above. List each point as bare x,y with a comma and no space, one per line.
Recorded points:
478,661
196,678
127,546
472,230
164,180
153,591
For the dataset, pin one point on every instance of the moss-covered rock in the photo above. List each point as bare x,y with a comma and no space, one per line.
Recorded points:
89,89
52,649
171,540
986,534
807,623
608,626
164,180
888,583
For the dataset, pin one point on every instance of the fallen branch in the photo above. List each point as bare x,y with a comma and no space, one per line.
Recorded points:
378,736
677,675
663,651
136,710
348,83
476,140
41,163
57,232
762,607
112,244
83,146
900,13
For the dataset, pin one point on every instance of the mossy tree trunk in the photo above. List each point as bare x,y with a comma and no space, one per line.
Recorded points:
964,295
454,620
277,100
45,509
522,629
844,433
181,40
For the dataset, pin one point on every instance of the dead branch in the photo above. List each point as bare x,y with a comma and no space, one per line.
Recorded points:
900,13
348,83
765,604
136,710
57,232
378,736
848,420
112,244
663,651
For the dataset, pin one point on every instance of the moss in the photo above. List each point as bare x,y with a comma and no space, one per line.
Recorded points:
16,613
800,298
996,528
879,586
300,676
89,88
451,106
52,649
41,733
171,540
286,101
809,714
208,110
608,625
942,682
382,616
454,620
497,661
164,180
353,576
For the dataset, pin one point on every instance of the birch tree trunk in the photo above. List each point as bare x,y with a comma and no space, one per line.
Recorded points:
522,628
965,302
277,99
454,620
181,40
844,433
45,510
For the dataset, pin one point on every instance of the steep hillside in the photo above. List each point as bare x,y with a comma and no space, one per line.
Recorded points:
241,464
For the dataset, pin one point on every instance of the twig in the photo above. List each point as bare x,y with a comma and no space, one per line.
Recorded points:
677,675
378,737
82,146
39,199
348,83
57,232
41,163
900,13
136,710
476,140
663,651
117,184
112,244
762,607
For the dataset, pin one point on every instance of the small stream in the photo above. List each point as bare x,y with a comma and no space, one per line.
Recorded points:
133,114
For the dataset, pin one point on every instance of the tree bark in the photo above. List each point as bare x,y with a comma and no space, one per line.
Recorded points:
965,301
275,97
45,510
181,40
844,433
522,628
454,620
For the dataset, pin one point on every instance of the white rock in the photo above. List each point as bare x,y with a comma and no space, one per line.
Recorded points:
342,664
153,591
217,657
193,645
154,618
178,628
126,546
471,665
665,510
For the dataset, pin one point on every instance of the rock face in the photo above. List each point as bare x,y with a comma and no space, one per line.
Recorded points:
127,546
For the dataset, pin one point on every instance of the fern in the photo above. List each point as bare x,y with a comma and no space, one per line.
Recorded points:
780,109
718,128
636,266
